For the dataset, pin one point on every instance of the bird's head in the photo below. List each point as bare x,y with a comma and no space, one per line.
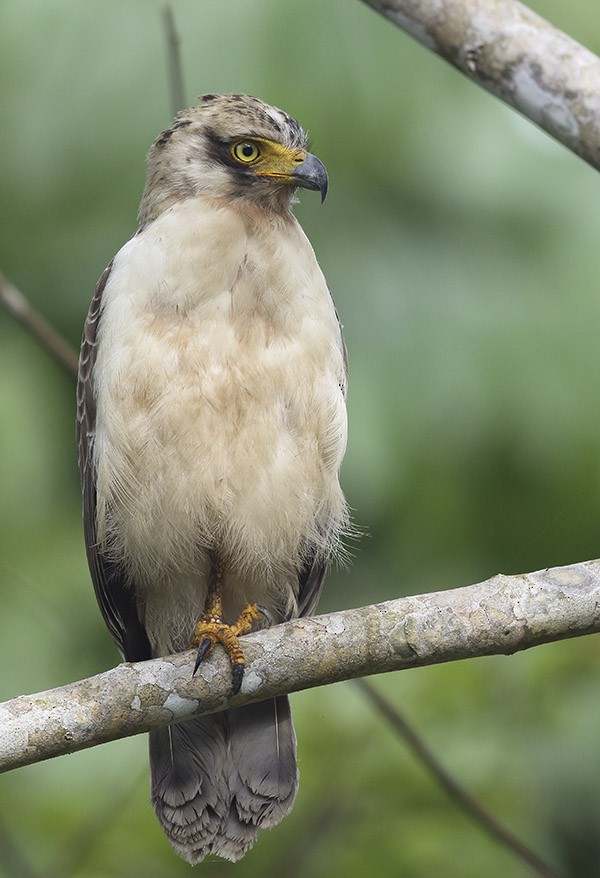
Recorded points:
232,146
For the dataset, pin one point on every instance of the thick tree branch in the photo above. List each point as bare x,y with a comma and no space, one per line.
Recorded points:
518,56
502,615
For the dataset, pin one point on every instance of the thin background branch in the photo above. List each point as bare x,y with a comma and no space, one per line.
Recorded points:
456,791
175,77
15,302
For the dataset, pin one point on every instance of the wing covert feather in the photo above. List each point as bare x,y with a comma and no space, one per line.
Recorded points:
115,598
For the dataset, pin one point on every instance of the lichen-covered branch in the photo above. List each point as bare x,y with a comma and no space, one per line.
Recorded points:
502,615
518,56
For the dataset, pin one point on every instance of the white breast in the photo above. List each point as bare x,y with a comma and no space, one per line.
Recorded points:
220,415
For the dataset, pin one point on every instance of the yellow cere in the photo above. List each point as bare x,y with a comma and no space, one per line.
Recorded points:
271,159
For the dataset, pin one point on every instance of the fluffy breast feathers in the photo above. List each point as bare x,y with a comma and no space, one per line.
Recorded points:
220,384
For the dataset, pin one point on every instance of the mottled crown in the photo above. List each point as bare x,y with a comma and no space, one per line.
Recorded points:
186,158
236,115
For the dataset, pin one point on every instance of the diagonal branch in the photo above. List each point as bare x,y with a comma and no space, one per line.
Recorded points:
474,809
502,615
20,307
522,59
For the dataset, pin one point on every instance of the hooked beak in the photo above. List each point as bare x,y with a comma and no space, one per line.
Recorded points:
311,174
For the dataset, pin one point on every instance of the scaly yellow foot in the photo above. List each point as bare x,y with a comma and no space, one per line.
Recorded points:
211,630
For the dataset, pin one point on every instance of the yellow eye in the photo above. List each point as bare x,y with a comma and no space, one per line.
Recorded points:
245,151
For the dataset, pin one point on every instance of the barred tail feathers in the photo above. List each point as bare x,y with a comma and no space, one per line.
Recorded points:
218,780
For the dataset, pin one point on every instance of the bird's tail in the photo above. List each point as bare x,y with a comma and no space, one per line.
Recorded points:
217,780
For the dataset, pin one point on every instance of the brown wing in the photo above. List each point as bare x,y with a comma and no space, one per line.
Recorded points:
311,584
115,598
313,573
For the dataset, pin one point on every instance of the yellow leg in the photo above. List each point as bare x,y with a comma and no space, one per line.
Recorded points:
211,629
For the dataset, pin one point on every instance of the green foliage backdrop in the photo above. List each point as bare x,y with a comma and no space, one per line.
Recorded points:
461,246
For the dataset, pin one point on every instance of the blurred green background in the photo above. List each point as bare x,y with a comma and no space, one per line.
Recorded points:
461,246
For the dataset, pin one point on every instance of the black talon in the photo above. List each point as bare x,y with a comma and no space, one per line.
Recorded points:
202,650
238,676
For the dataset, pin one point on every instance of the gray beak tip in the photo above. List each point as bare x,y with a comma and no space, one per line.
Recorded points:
311,174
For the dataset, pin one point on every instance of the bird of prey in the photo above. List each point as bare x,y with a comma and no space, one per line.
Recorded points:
211,430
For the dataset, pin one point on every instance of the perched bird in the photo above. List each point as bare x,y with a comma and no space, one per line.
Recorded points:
211,429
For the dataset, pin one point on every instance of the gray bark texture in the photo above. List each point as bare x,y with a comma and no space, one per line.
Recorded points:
505,614
509,50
